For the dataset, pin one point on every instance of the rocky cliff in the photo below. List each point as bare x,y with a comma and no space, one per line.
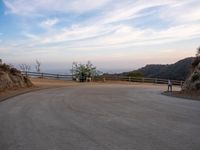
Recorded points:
12,78
192,84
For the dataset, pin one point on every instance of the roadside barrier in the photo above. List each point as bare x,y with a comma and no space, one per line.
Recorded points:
104,78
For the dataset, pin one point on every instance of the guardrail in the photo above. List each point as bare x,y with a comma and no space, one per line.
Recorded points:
47,75
104,78
138,79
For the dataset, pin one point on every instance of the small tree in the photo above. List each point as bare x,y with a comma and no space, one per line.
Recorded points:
197,59
25,67
198,52
83,71
37,66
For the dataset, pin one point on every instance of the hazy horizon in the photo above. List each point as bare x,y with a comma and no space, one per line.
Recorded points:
114,35
65,69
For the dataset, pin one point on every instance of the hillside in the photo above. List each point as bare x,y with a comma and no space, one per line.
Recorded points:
12,78
192,84
177,71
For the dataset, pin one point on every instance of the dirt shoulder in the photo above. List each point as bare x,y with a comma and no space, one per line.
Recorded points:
185,95
39,84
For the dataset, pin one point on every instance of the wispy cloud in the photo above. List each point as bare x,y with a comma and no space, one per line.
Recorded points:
49,23
103,26
32,7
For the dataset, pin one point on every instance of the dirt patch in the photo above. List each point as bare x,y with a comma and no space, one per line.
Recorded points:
186,95
51,83
39,84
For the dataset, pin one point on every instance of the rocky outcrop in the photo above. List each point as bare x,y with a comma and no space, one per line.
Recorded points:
12,78
192,84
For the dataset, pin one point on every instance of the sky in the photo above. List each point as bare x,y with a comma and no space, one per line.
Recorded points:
115,35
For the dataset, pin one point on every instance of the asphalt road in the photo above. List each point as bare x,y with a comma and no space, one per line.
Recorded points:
99,117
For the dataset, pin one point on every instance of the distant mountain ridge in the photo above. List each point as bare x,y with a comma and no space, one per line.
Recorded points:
177,71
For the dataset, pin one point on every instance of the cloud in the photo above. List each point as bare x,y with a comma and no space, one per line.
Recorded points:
112,36
184,12
49,23
26,8
128,10
103,26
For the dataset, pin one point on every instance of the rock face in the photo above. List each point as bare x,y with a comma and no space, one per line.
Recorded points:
192,84
12,78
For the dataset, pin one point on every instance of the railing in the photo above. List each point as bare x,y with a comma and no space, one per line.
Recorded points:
47,75
138,79
104,78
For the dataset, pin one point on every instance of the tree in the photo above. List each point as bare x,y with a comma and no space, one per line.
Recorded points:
83,71
198,52
197,59
25,67
37,66
136,74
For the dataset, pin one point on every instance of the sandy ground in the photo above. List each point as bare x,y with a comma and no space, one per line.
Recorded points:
52,83
40,84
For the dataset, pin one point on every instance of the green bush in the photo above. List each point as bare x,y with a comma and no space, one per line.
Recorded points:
195,76
136,74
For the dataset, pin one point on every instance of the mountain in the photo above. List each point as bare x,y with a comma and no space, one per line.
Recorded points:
177,71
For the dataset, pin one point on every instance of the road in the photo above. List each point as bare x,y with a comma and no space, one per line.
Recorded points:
99,117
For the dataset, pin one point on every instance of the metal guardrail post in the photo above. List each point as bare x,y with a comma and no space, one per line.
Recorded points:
156,80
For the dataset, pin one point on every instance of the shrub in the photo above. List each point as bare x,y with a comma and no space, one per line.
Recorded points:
136,74
196,61
14,71
195,76
4,67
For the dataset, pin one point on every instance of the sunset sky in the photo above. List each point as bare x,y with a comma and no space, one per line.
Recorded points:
116,35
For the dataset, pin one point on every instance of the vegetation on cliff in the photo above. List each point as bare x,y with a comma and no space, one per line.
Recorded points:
192,84
12,78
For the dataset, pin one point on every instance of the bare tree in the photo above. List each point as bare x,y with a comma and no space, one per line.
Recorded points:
197,59
25,67
38,66
198,52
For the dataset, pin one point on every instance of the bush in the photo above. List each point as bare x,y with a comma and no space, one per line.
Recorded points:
14,71
136,74
196,61
4,67
195,76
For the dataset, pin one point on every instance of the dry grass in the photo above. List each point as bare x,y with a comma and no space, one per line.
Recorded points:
38,85
51,83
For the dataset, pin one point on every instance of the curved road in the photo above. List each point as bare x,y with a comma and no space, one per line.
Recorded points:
99,117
